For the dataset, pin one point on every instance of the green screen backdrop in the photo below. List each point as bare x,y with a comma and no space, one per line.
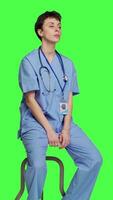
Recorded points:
87,39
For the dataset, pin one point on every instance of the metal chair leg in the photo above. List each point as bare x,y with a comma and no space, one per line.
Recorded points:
61,177
22,184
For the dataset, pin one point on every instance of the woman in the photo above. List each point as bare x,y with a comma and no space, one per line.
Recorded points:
48,81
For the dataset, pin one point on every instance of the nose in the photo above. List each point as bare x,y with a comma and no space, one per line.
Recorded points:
58,30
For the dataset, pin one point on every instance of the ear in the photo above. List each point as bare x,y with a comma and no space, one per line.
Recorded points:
40,32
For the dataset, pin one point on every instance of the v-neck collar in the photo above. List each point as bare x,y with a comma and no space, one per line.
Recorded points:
52,59
47,58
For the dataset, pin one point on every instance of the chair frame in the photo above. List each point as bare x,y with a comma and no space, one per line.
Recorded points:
61,177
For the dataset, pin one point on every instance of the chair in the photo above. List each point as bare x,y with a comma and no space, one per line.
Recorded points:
22,184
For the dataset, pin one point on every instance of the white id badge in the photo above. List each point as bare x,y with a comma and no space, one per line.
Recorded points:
63,108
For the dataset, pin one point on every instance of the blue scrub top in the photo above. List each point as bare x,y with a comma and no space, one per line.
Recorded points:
30,80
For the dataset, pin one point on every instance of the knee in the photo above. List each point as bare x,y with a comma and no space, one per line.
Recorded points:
97,158
38,165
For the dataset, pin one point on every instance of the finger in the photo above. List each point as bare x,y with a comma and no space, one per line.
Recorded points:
59,143
61,147
67,143
56,143
63,142
60,138
52,143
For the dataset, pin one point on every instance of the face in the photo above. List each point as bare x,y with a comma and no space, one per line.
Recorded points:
51,30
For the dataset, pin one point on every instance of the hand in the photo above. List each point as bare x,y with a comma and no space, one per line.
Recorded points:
53,139
64,138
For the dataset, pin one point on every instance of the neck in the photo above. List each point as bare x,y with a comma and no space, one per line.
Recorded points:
48,48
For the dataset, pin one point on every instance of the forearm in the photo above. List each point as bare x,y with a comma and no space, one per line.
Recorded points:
67,118
67,122
38,114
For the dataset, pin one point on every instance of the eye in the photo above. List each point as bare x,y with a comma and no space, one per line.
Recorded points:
53,26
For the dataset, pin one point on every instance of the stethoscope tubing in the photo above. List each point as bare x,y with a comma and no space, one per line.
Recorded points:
42,77
62,66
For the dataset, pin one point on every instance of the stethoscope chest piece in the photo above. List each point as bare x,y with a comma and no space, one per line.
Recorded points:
65,78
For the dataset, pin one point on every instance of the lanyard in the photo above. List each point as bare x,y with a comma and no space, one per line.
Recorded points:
62,66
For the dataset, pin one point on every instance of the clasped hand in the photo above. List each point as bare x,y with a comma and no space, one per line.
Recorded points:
61,140
64,138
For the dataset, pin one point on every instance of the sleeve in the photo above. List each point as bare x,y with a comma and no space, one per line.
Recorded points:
74,83
28,80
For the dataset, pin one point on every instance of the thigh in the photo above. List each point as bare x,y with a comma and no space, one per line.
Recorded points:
35,143
83,151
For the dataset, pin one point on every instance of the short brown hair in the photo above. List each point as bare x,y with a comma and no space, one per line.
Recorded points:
42,17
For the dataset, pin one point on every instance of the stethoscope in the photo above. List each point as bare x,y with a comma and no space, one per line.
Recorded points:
65,77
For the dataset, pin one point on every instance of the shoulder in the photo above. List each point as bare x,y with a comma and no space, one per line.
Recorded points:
68,62
31,60
66,59
30,56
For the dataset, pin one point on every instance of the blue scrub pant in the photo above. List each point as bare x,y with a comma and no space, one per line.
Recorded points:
83,152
